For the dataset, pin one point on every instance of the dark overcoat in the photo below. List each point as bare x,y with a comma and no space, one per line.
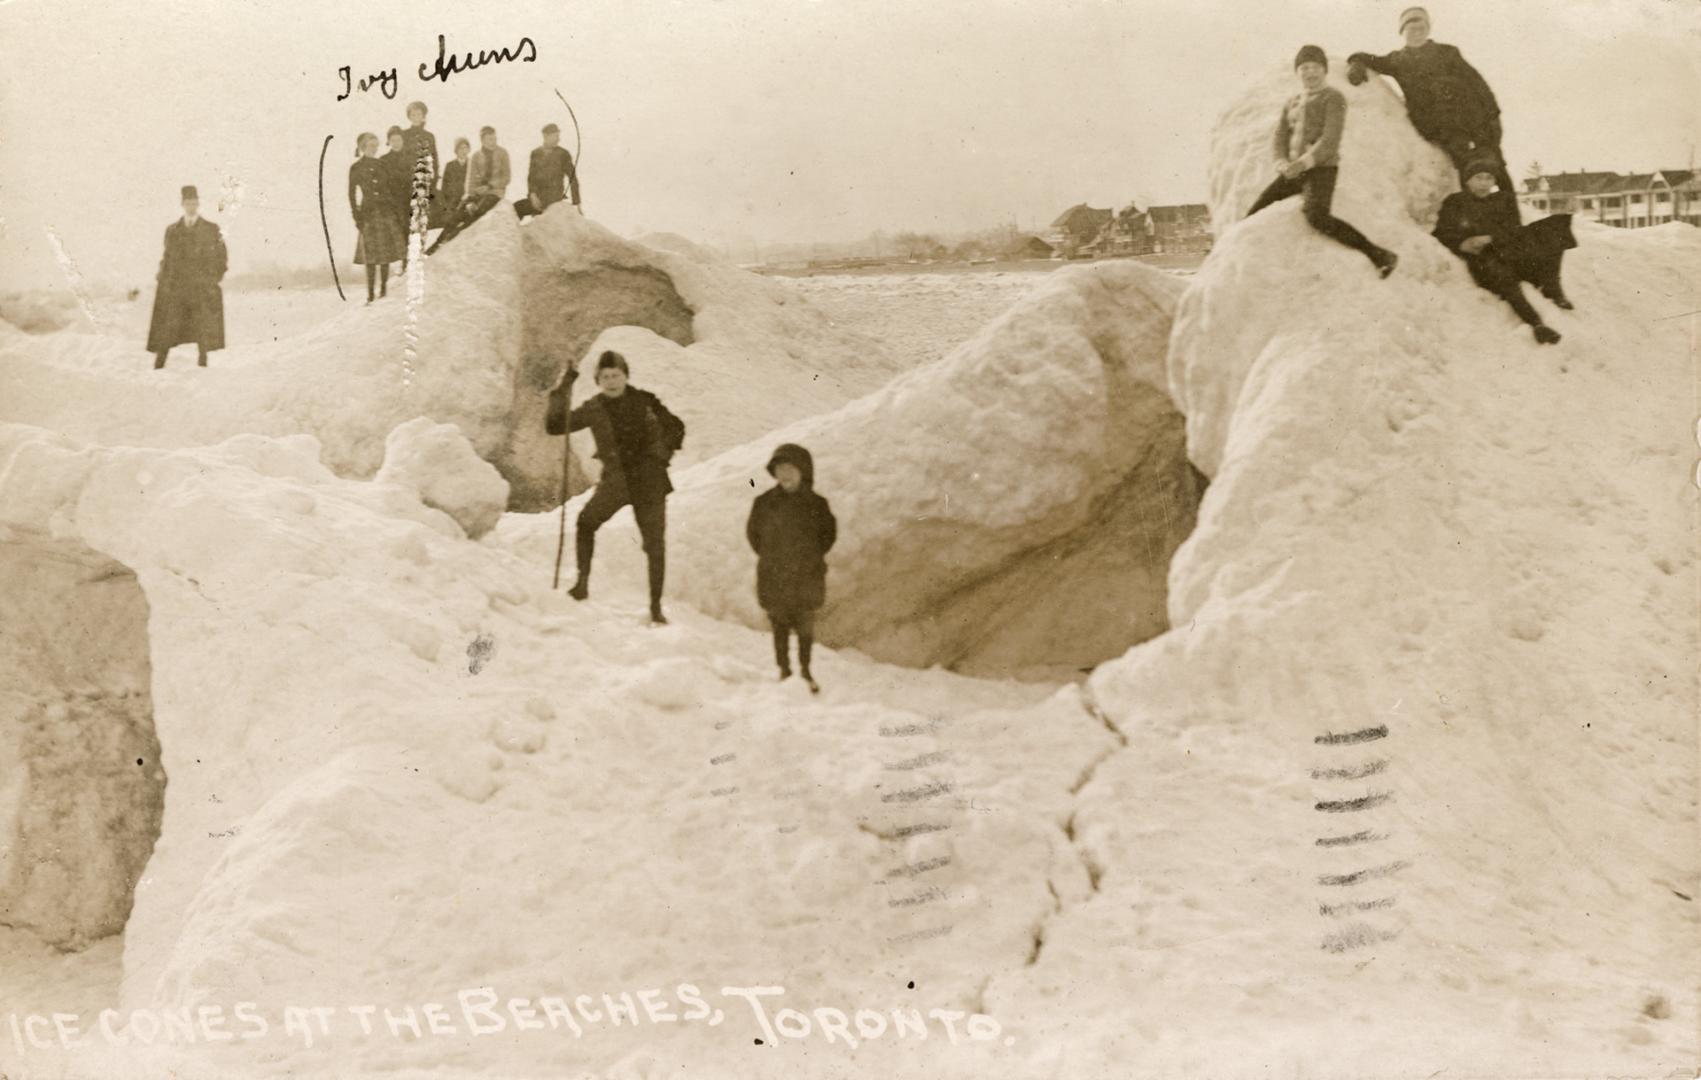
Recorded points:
188,303
663,434
1446,98
791,533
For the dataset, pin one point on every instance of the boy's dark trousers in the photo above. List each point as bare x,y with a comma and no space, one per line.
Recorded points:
784,622
1534,259
1318,186
649,508
474,208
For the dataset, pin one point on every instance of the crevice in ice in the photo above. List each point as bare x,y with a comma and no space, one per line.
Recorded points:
562,314
82,789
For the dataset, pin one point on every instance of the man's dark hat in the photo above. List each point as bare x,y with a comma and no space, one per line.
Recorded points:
189,192
551,129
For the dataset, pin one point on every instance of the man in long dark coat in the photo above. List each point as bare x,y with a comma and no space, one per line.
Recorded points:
1448,101
188,304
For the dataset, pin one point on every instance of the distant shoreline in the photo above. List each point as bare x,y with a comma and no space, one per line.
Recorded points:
1176,261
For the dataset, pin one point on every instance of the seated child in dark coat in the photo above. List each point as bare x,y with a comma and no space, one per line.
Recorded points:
792,528
1481,225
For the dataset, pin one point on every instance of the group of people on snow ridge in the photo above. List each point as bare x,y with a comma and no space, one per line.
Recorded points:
1450,105
403,191
390,195
791,527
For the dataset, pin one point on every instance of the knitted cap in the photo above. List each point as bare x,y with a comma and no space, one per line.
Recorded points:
1480,163
1311,54
1411,13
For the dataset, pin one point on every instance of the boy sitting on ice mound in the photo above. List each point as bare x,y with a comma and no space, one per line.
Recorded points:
1307,146
792,528
1481,225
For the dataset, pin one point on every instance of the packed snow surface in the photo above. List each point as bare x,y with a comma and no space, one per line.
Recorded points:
436,462
1408,787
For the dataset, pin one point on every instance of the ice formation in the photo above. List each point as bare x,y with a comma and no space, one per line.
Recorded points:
1407,786
1019,516
436,462
494,319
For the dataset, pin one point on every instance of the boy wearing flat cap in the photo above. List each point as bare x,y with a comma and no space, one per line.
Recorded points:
550,174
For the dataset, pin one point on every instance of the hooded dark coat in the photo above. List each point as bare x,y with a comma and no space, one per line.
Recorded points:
791,533
188,304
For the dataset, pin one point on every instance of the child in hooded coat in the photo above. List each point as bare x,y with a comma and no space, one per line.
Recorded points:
792,528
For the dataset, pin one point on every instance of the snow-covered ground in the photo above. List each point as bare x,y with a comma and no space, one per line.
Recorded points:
1405,786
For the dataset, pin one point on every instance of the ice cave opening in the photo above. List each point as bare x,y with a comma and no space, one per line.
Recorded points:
82,788
563,311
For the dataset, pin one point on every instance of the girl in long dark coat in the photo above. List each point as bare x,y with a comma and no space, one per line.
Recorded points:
398,184
792,528
381,242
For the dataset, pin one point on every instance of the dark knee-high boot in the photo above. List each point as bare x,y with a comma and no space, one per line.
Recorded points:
584,546
782,646
1553,290
658,575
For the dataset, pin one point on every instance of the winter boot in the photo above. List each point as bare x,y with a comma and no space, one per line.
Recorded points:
656,616
1384,261
159,360
806,646
782,650
1545,335
584,547
1553,291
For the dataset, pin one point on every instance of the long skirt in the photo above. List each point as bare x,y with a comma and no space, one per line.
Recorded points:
381,240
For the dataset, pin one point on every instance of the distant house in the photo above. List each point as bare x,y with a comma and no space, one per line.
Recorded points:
1130,232
1032,248
1627,201
1181,228
1077,227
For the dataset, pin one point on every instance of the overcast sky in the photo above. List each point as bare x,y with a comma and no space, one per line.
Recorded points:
729,121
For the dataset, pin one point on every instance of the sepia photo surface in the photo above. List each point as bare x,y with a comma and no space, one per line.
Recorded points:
844,538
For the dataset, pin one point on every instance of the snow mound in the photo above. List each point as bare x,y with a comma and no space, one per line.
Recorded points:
1411,784
437,462
444,344
400,769
473,336
1010,508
